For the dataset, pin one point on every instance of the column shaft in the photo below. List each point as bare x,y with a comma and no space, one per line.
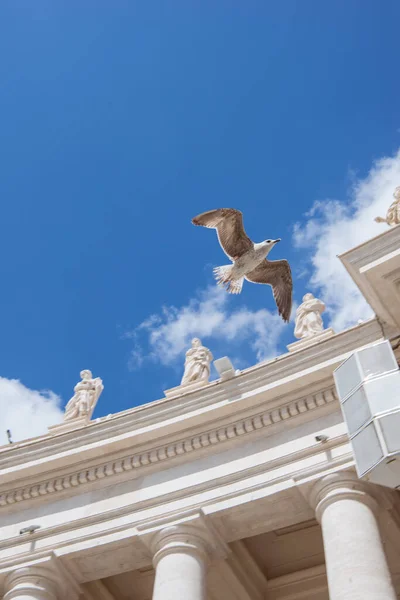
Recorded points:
180,576
354,555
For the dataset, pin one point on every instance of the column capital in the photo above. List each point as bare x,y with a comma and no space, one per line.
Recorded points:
189,534
340,486
186,539
45,581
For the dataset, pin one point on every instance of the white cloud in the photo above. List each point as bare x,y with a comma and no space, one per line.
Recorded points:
332,227
166,336
27,413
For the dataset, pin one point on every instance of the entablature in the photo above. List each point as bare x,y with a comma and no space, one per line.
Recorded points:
375,268
197,442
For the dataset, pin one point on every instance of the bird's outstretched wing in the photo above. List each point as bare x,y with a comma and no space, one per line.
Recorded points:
278,275
229,225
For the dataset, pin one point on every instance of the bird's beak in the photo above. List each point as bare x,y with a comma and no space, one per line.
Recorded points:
278,240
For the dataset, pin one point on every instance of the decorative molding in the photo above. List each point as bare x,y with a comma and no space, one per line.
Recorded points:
238,576
106,561
254,496
168,452
181,390
96,590
272,512
301,585
247,571
311,340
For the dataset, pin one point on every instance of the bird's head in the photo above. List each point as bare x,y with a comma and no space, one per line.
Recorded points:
269,244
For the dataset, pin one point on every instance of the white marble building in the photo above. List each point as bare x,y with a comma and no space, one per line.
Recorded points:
239,489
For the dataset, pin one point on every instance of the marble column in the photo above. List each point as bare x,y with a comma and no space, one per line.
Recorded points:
33,583
180,561
355,559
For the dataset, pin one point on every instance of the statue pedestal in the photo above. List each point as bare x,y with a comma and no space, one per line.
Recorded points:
311,340
179,390
69,425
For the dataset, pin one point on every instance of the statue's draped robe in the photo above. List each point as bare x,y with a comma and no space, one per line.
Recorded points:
82,403
197,365
393,213
308,318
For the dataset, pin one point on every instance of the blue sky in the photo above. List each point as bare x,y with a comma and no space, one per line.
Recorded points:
122,120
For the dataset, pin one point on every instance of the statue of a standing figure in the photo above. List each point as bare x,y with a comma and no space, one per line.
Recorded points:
308,317
197,363
87,393
393,213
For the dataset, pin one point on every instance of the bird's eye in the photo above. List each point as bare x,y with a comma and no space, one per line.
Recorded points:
269,241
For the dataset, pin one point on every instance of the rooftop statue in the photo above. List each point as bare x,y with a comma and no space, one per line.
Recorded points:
197,363
308,317
87,393
249,259
393,213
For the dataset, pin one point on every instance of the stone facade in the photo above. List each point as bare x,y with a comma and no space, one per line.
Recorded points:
240,489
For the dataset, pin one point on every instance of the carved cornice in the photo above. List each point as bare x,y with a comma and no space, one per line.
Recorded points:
168,452
264,382
373,249
374,268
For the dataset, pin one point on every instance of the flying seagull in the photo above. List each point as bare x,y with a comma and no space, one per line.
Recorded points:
249,259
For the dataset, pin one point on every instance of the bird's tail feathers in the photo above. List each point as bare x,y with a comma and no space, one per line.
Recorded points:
223,275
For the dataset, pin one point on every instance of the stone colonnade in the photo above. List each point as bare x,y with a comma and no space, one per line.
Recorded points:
354,555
